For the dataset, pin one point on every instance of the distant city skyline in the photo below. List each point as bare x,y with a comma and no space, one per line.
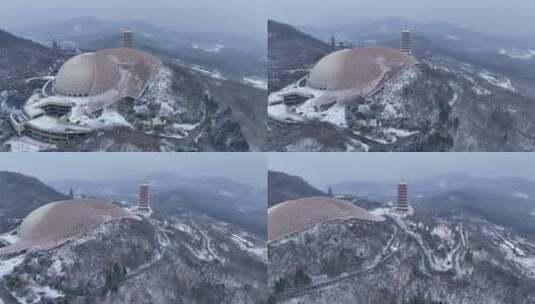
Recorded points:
246,168
325,169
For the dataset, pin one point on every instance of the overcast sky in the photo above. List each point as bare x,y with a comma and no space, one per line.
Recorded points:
502,16
323,169
180,15
247,168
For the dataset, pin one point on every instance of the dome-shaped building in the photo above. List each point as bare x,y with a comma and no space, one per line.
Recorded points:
82,88
360,68
294,216
87,74
53,224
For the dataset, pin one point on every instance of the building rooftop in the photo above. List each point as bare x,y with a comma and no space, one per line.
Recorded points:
359,69
297,215
53,224
86,74
93,73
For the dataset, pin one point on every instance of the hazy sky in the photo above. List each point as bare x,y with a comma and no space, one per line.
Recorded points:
180,15
247,168
323,169
484,15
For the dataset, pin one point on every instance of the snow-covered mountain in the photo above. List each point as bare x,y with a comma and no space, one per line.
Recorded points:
186,108
172,257
283,187
449,101
20,195
458,256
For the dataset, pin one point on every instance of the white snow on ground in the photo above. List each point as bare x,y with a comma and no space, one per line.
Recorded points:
9,238
183,227
435,66
516,254
335,115
38,293
452,37
214,73
517,194
306,111
166,109
503,83
391,98
518,54
380,211
56,268
356,146
481,91
399,132
280,112
226,193
109,118
476,88
27,144
186,127
179,130
437,263
7,266
258,251
443,232
256,82
209,48
453,99
206,252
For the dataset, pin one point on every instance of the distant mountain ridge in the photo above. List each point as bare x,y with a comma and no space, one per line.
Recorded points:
508,201
20,195
439,31
214,50
283,187
288,47
437,184
20,57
